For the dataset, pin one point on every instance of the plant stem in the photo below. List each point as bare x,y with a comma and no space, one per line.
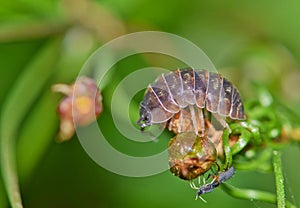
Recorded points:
251,194
226,147
9,168
30,30
19,101
279,180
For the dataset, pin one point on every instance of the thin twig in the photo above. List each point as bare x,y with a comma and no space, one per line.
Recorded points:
251,194
17,104
279,180
30,30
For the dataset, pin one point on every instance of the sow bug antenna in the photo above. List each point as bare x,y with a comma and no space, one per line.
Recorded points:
151,135
139,123
142,129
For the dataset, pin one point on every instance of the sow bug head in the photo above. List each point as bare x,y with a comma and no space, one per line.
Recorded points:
145,117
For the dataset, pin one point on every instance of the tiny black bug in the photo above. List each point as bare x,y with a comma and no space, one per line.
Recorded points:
218,179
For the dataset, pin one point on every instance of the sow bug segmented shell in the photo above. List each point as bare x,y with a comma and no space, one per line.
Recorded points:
179,97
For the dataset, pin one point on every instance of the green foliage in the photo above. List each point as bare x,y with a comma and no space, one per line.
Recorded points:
46,42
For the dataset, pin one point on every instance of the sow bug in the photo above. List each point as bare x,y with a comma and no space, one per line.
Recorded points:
179,98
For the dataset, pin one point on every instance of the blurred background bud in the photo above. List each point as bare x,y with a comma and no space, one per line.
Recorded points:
81,106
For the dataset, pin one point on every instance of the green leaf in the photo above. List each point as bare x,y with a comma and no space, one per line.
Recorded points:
34,137
22,95
3,201
13,58
24,30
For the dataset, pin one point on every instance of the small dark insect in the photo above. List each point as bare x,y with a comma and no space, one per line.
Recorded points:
225,175
207,188
179,98
218,179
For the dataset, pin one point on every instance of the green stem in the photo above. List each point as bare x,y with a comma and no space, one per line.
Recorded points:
279,180
243,140
31,30
226,147
251,194
17,104
9,169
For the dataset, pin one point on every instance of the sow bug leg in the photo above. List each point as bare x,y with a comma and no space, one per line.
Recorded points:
203,180
201,121
222,121
193,186
226,147
180,122
194,120
199,180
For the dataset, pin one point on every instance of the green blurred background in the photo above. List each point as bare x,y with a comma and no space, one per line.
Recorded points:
247,41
